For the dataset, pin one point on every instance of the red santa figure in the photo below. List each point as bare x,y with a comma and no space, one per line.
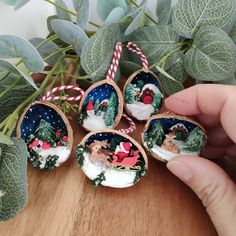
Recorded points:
123,150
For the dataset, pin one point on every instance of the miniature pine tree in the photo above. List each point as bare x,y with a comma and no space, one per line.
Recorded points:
45,131
140,84
130,94
110,115
34,159
82,115
155,136
113,144
80,150
96,107
196,140
51,163
97,182
157,102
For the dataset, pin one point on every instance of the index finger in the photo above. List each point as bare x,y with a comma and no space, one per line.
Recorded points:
208,100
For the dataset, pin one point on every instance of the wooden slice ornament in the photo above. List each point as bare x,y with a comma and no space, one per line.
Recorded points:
102,104
111,158
143,93
47,131
166,136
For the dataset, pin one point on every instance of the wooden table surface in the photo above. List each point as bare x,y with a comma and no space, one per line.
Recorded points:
63,203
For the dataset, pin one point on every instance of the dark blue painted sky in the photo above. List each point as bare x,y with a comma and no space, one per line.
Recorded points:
167,123
107,136
35,114
147,78
101,92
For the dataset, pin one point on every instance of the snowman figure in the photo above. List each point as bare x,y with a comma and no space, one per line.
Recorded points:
123,150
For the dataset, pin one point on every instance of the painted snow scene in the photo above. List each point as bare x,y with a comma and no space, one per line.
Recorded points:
168,136
100,108
143,95
46,134
111,159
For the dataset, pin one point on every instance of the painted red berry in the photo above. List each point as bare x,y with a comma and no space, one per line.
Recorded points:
58,133
65,139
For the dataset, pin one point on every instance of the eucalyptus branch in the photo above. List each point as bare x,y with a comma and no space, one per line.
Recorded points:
70,12
146,14
11,121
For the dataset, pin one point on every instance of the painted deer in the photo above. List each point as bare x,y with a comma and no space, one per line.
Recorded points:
169,145
99,152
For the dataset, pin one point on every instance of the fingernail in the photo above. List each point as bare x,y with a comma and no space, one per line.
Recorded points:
180,170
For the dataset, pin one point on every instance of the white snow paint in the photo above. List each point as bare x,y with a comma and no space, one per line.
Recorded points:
93,122
152,87
140,110
1,193
167,155
179,125
114,178
62,152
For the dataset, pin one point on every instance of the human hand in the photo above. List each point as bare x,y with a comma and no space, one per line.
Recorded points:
214,106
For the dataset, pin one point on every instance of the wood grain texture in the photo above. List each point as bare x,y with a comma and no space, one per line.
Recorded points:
63,203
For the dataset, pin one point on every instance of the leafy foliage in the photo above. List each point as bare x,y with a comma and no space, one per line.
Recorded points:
97,54
212,56
97,182
60,13
140,173
70,33
13,187
157,102
16,47
51,163
196,140
81,150
163,11
190,15
156,41
83,12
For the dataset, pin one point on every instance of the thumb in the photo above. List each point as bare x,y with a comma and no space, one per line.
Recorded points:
213,186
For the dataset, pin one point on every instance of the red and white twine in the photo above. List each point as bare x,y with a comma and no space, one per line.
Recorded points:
133,47
50,97
115,61
132,125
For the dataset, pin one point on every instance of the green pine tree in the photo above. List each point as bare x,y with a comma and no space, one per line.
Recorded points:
196,140
96,108
155,136
140,84
157,100
82,115
111,113
113,144
130,94
80,151
45,131
97,182
51,163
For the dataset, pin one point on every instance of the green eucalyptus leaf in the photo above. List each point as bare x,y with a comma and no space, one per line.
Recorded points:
174,66
212,56
16,47
63,15
83,12
163,11
128,68
5,140
9,2
232,34
47,49
115,16
190,15
8,68
137,21
49,19
155,42
97,54
105,7
13,179
70,33
12,96
20,3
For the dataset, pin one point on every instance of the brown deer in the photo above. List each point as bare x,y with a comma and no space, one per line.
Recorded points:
169,145
99,153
